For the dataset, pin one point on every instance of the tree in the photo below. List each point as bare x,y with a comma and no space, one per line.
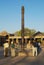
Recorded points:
27,32
33,31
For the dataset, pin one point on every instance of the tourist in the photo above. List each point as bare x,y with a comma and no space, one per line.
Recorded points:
39,48
16,48
6,48
34,48
12,49
28,45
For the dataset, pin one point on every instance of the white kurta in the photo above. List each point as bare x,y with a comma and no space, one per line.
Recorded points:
12,52
6,45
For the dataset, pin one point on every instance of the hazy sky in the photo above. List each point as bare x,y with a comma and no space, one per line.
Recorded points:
10,15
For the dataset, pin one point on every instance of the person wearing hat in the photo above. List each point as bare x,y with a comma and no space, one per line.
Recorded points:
6,48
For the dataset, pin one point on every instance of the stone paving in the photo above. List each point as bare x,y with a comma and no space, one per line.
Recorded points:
22,60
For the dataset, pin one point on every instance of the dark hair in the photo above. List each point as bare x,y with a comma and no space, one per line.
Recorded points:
6,41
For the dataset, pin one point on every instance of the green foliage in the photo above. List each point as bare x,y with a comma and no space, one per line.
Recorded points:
18,33
33,31
27,32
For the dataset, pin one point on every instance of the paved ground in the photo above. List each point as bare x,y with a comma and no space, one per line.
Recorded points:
22,60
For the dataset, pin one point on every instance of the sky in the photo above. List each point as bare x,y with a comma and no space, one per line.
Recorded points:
10,15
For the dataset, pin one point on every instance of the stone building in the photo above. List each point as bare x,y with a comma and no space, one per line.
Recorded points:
38,36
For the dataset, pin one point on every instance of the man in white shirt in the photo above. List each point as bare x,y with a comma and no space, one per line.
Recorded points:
6,46
34,47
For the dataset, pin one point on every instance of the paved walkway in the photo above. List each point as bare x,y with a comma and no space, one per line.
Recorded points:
22,60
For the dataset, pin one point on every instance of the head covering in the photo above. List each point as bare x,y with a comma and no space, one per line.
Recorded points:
11,42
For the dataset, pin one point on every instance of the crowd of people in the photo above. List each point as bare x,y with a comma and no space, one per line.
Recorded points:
11,48
35,46
14,46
